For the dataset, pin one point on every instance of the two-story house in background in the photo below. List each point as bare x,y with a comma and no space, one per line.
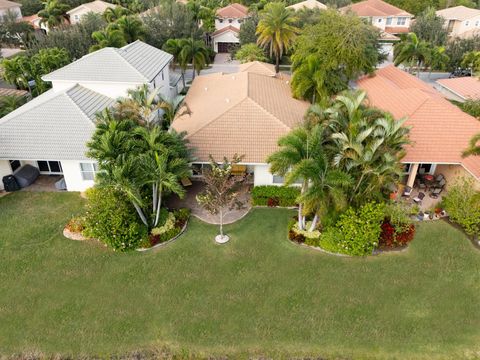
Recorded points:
51,131
461,21
96,7
228,21
386,17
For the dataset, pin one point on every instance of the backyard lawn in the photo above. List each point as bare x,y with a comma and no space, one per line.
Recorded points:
257,295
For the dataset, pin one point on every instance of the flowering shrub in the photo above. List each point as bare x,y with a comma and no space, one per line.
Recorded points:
356,232
112,219
270,195
392,237
172,226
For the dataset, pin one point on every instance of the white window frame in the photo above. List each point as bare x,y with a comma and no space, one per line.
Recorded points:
88,174
467,23
389,21
50,172
401,20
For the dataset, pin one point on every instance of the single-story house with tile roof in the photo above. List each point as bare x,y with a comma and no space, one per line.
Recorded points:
382,15
51,131
228,21
460,89
440,130
96,7
244,113
308,4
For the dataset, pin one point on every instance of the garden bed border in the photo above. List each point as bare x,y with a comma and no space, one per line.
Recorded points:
165,242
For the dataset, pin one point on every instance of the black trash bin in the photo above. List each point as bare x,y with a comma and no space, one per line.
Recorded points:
10,183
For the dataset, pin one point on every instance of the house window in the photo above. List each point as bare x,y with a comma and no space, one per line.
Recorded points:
425,168
230,20
199,169
379,20
467,23
401,20
389,21
49,166
278,179
476,23
220,21
15,164
163,77
239,21
76,17
88,170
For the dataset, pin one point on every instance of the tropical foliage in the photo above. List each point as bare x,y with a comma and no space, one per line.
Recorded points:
111,36
276,31
474,147
429,27
189,51
250,52
412,52
331,53
10,103
14,33
54,13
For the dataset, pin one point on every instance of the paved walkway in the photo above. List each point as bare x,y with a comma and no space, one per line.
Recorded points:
190,201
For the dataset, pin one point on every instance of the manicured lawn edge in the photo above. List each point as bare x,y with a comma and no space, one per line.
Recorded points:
165,242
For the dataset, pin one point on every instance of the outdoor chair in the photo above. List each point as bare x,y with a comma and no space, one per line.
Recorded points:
407,192
421,183
435,192
439,178
418,199
440,184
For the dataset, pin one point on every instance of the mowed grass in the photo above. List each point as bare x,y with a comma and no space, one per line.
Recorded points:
257,295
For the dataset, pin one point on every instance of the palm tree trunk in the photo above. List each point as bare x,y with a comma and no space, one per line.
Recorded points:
314,223
277,63
221,223
183,80
159,206
140,213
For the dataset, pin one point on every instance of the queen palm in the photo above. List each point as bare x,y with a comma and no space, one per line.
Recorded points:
174,47
112,36
9,103
276,30
141,105
113,14
307,81
474,147
194,52
412,51
132,28
54,13
171,107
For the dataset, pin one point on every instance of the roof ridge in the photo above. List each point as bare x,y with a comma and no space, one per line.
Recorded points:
269,113
76,105
117,51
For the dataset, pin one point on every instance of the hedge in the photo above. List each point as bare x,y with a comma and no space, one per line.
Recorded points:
270,195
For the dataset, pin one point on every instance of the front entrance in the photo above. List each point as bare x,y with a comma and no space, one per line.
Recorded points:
50,167
225,47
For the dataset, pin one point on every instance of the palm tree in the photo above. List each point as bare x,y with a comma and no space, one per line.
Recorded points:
141,105
131,27
196,53
412,51
276,30
112,36
307,81
474,147
113,14
54,13
471,60
327,189
170,107
9,103
174,47
436,58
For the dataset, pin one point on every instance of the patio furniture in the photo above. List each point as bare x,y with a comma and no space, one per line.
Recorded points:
418,199
436,192
407,192
439,178
441,184
186,181
239,170
421,183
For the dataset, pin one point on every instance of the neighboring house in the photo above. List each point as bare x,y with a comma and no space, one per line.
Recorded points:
244,113
10,6
460,89
51,131
307,4
461,21
97,7
386,17
228,21
36,22
440,130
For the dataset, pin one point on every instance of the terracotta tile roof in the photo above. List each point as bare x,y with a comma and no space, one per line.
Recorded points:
226,29
258,67
244,113
440,130
458,13
388,37
465,87
396,29
12,92
308,4
375,8
32,20
5,4
233,11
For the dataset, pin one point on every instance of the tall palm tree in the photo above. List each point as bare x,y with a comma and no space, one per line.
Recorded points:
112,36
54,13
276,30
132,28
436,59
171,107
412,51
474,147
196,53
113,14
174,47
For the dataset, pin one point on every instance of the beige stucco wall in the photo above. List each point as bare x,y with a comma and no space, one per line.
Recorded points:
453,172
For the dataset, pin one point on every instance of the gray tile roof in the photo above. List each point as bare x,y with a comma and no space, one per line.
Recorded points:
134,63
53,126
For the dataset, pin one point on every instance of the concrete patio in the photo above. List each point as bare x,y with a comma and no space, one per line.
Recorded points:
44,183
190,201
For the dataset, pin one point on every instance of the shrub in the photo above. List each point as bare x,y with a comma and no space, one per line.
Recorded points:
76,225
171,226
112,219
270,195
462,204
356,232
392,237
471,107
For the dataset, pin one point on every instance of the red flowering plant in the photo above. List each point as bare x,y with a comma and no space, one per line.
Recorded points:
397,228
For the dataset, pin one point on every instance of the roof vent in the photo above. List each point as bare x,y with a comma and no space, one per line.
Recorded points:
286,82
206,88
227,100
233,77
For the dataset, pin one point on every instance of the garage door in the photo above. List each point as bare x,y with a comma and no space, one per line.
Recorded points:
224,47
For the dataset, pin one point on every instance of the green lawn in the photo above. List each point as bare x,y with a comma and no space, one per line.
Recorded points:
258,294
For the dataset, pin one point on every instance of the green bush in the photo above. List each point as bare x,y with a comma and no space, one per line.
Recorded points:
112,219
462,204
270,195
471,107
356,232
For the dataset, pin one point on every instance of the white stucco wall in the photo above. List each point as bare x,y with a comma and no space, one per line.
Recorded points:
15,10
381,22
4,170
73,176
77,14
221,23
262,175
227,37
